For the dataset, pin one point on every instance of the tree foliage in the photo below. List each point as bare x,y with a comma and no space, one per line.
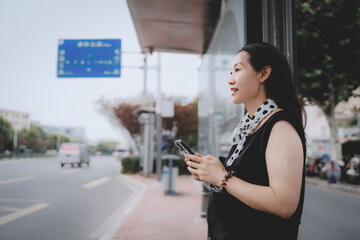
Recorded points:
33,138
6,135
328,66
328,55
124,112
51,140
106,147
186,119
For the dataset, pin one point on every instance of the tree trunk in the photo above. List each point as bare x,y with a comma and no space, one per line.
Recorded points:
336,153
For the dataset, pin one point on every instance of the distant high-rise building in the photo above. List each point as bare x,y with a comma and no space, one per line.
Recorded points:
18,120
75,133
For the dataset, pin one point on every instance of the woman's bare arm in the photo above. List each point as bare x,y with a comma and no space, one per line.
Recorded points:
284,159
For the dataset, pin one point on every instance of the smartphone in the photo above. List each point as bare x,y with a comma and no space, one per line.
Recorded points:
183,147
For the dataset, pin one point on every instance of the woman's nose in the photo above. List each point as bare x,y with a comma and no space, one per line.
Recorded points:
231,81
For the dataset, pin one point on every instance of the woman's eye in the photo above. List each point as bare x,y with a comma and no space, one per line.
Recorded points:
237,69
230,73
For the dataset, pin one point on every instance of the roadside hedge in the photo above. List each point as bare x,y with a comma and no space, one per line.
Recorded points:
130,164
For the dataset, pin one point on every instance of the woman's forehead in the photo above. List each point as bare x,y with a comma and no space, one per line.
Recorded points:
241,57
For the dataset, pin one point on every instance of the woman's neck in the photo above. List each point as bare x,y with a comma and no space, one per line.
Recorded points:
252,106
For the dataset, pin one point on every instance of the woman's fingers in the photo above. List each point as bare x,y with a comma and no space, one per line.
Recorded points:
192,164
199,155
194,157
193,171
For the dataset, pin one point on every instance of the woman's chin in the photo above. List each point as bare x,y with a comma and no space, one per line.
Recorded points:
237,101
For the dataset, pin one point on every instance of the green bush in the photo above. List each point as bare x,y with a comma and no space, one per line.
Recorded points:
323,175
178,163
130,164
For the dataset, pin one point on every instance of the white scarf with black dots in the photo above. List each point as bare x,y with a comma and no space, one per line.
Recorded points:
248,124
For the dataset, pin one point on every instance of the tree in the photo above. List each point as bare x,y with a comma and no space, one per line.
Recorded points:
6,135
33,138
124,112
106,147
51,140
187,122
185,118
327,35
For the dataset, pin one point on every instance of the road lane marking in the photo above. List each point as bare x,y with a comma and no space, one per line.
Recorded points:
16,180
97,182
9,208
19,200
21,213
67,171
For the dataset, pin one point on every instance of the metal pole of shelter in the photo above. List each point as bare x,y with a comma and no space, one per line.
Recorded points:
145,73
158,121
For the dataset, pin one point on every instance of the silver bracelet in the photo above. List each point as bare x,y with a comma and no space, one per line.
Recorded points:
216,189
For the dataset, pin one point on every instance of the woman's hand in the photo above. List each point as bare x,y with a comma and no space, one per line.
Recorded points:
207,169
195,176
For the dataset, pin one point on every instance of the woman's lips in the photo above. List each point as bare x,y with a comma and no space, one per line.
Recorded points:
234,90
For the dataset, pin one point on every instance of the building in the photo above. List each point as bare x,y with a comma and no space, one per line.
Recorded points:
18,120
347,115
75,133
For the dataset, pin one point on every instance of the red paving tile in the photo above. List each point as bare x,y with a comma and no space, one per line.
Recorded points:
162,217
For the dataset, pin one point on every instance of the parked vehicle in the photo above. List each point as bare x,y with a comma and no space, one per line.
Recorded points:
74,154
121,152
314,166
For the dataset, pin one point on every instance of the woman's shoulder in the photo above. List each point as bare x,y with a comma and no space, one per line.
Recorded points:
285,123
282,115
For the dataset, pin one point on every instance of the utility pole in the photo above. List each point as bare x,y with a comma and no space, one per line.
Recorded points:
15,141
58,141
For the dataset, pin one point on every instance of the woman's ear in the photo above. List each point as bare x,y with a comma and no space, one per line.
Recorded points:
265,73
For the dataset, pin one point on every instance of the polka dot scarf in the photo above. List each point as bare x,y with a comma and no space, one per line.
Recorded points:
247,125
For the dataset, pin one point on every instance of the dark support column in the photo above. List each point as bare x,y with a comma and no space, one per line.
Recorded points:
253,21
277,25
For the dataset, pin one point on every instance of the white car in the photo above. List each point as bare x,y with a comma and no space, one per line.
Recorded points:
74,154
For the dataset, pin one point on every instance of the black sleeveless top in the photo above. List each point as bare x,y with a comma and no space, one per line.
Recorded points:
228,217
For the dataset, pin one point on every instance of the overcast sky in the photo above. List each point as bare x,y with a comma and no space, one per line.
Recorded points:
30,30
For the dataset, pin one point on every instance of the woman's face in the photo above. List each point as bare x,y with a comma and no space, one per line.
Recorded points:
244,80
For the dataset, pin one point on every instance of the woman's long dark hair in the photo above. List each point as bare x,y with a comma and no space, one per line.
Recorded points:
280,84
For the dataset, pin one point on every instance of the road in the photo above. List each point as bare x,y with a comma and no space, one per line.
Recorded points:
330,215
40,200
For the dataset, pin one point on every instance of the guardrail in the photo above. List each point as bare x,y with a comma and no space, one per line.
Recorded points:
24,155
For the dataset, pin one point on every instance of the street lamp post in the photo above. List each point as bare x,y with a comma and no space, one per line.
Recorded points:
15,141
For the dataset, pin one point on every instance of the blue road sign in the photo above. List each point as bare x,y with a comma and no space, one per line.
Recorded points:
89,58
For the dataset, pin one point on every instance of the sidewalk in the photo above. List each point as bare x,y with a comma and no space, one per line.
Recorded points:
344,187
162,217
157,216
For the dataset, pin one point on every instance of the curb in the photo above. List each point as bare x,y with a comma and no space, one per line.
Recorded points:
118,217
338,187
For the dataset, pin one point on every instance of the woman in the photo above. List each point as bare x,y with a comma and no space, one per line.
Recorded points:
258,190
